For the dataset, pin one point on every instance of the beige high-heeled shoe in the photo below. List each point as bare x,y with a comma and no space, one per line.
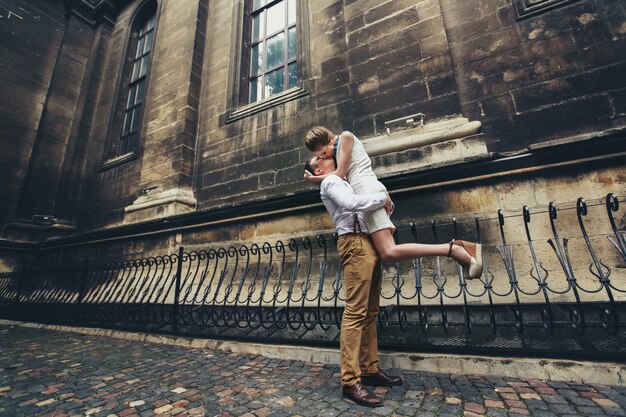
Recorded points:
475,251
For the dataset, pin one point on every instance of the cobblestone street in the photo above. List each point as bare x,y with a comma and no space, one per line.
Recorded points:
54,373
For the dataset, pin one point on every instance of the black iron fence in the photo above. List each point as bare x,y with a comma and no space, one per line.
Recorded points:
540,293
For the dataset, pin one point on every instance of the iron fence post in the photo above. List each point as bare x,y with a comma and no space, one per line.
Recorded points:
81,291
18,293
179,268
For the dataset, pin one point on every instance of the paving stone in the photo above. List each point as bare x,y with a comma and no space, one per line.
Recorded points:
581,401
494,404
606,403
101,377
536,405
590,410
497,412
562,408
542,413
615,412
474,408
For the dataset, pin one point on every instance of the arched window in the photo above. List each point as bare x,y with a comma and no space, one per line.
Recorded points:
139,54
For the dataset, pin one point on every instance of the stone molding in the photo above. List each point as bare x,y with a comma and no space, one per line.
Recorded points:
165,197
27,230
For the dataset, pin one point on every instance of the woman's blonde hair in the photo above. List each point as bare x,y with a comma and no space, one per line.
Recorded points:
316,137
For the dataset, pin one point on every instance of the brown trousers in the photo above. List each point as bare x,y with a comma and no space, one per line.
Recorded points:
362,277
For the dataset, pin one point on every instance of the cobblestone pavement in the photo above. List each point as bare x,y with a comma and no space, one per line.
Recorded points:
54,373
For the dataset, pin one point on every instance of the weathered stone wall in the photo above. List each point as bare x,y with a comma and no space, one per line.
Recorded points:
31,34
497,83
105,193
553,75
367,63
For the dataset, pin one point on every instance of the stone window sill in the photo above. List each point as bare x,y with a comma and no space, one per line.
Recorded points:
269,102
118,160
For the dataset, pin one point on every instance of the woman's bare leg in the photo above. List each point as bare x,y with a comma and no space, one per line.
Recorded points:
390,252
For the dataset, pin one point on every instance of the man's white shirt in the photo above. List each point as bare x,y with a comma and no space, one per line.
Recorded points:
341,202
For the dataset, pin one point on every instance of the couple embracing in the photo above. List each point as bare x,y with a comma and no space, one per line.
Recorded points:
360,207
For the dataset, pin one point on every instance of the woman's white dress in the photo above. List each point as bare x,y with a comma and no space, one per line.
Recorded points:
363,180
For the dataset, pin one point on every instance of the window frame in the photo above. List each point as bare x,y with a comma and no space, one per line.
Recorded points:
263,42
135,110
525,8
113,157
239,82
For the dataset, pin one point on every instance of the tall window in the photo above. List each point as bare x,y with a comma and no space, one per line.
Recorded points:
140,62
273,48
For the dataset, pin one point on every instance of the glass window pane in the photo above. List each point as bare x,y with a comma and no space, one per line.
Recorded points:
258,4
144,66
275,82
256,89
135,123
257,27
131,97
276,18
135,71
132,141
293,75
150,23
291,12
141,87
126,127
276,50
256,61
293,46
123,146
139,48
148,42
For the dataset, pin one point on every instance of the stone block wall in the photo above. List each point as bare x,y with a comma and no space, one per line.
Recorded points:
367,63
519,89
552,75
31,34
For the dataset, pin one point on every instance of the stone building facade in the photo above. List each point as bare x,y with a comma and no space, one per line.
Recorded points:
132,127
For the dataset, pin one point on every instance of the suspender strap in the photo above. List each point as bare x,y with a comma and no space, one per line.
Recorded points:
356,224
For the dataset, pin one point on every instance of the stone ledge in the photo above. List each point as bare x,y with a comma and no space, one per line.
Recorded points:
435,132
175,195
117,161
158,204
23,230
604,373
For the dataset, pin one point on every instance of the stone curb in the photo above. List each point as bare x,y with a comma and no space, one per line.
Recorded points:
585,372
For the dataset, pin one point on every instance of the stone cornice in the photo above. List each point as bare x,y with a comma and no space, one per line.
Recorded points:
94,12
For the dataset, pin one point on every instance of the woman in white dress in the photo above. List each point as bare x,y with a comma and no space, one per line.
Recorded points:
355,166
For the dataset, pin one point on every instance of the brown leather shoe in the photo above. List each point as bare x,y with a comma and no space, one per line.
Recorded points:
381,379
361,396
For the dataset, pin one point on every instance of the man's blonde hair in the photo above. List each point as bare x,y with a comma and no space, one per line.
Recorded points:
316,137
